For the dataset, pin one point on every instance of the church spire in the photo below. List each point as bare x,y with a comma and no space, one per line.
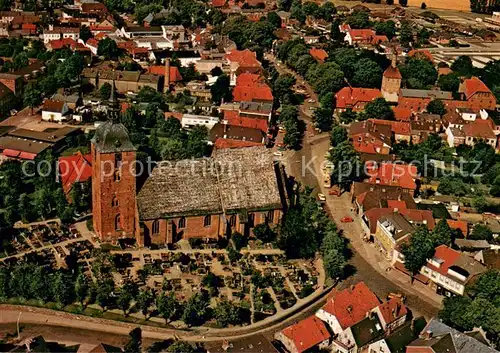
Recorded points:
113,106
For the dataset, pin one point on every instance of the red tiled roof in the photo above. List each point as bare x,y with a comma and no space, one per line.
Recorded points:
397,127
218,3
419,216
421,53
245,58
447,255
348,97
351,305
221,143
318,54
416,105
392,310
361,34
249,79
94,7
373,214
74,169
175,74
364,147
401,113
474,85
307,333
479,129
261,93
93,42
392,72
233,118
396,204
53,106
462,225
402,175
29,26
175,115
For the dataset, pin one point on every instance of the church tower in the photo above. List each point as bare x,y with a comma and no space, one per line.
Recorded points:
391,82
113,177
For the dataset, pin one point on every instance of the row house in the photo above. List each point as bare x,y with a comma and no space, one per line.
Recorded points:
252,88
368,137
242,61
404,176
57,33
449,271
354,98
364,37
477,94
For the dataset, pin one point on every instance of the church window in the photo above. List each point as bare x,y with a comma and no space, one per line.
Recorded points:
156,227
118,161
207,221
182,222
118,222
270,216
114,202
232,221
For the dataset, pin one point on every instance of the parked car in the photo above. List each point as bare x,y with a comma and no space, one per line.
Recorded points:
278,154
321,197
334,192
347,220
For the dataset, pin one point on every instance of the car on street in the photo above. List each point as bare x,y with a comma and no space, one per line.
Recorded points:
321,197
278,154
347,219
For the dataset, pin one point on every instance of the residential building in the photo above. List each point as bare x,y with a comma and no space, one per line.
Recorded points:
318,54
74,169
396,341
438,337
392,230
449,271
241,61
54,110
57,33
354,98
190,120
404,176
364,37
477,94
305,335
369,137
348,307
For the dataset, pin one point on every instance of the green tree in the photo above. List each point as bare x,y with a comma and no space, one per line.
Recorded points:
134,343
108,49
442,233
63,288
323,118
377,109
103,295
85,33
293,134
81,288
418,73
32,96
220,90
216,71
196,309
295,238
264,232
144,301
274,19
166,304
226,313
123,300
481,232
405,33
367,74
180,347
387,28
436,106
283,86
334,263
449,82
105,91
338,135
419,249
463,66
5,5
358,19
348,116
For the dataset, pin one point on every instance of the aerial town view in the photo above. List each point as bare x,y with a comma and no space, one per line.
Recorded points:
290,176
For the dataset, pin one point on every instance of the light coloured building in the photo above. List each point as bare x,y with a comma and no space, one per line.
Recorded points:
191,120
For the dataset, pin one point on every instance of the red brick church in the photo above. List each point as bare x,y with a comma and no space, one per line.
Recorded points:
208,198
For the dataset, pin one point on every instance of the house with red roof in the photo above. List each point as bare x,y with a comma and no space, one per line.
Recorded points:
346,308
401,130
241,61
371,138
421,54
449,271
477,94
319,55
402,114
392,314
233,117
354,98
308,334
463,226
363,37
258,93
404,176
480,130
74,169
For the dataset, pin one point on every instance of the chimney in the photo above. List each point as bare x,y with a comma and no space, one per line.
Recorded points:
166,86
427,335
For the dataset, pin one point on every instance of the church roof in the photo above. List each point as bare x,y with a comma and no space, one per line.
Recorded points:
111,137
231,181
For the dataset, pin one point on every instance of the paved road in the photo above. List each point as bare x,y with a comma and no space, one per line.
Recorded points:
305,166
